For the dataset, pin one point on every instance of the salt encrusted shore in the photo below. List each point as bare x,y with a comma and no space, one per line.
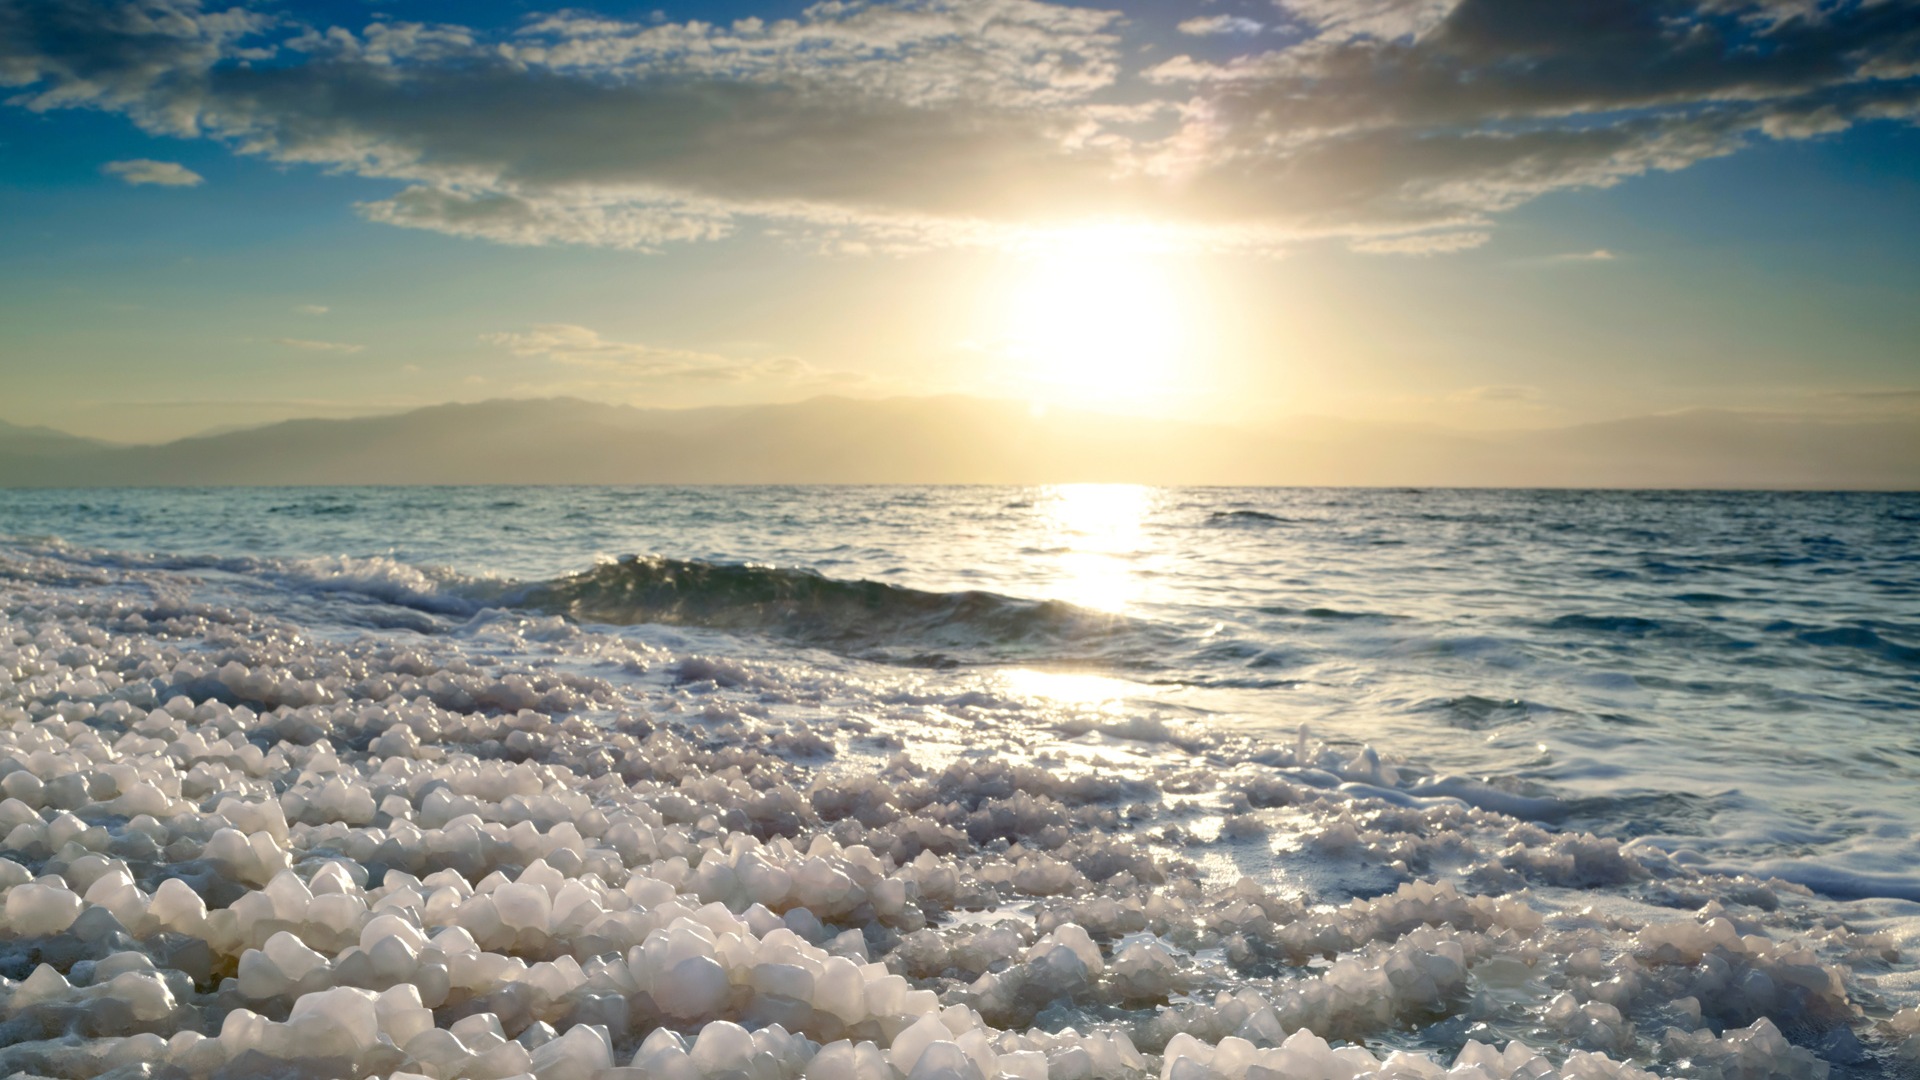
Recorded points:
235,845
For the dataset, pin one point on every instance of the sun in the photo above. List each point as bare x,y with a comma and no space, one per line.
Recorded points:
1097,316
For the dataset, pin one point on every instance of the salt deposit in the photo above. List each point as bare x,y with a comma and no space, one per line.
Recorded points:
237,844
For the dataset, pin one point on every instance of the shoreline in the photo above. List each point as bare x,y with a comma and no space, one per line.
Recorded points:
377,841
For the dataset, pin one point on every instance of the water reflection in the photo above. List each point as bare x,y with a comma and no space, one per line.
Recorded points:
1097,531
1102,693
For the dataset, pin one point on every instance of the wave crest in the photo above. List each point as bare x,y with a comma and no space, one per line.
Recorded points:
893,621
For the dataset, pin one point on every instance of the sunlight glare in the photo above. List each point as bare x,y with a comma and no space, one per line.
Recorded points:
1098,318
1097,527
1069,687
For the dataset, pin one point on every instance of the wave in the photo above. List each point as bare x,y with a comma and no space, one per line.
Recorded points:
872,618
1626,625
1246,517
1471,712
1864,640
1326,613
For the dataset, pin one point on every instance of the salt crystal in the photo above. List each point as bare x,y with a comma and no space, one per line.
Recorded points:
912,1042
723,1046
692,988
577,1055
35,910
348,1014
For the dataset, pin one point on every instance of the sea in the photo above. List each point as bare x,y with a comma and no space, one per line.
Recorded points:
1727,684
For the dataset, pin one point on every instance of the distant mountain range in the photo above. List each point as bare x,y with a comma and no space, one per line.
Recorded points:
28,443
971,440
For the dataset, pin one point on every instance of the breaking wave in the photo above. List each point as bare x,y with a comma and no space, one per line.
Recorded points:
858,616
870,619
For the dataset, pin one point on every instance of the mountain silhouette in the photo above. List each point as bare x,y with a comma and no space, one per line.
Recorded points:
970,440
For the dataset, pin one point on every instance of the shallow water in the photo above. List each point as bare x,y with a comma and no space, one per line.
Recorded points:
1117,781
1734,676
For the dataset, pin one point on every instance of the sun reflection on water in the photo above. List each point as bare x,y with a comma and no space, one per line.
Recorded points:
1101,692
1090,540
1097,531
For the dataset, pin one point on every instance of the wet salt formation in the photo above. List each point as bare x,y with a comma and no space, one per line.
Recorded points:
280,815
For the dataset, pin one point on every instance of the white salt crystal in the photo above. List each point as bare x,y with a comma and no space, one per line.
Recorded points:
347,1013
911,1043
692,988
35,910
945,1061
577,1055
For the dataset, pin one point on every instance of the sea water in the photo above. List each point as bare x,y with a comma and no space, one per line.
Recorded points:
1672,733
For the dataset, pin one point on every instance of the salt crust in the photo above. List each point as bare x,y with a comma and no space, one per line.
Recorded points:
235,849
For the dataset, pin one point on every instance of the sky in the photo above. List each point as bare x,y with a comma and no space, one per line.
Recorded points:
1477,214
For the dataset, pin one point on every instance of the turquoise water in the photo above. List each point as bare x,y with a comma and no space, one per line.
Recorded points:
1732,677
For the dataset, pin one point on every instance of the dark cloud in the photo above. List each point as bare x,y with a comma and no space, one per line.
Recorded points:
1402,125
1442,112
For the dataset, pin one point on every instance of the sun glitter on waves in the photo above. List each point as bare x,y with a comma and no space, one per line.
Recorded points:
1098,532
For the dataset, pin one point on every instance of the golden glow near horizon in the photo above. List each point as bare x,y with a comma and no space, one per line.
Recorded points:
1099,318
1096,528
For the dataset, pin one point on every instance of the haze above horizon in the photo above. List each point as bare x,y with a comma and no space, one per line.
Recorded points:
1494,218
938,440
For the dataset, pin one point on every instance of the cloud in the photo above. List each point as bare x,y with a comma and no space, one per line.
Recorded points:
1429,112
1499,395
1596,255
1211,25
1877,395
626,219
578,346
1381,20
886,125
319,346
1900,400
312,309
1440,243
147,171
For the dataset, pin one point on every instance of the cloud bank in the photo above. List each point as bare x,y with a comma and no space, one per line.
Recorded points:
1395,125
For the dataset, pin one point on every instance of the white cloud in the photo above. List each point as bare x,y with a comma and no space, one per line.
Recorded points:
1384,20
1217,25
388,43
312,309
919,52
1440,243
578,346
638,220
148,171
319,346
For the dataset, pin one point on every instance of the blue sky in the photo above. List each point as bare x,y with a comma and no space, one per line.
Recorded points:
1475,213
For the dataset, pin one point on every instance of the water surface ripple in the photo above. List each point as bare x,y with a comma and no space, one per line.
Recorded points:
1733,676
